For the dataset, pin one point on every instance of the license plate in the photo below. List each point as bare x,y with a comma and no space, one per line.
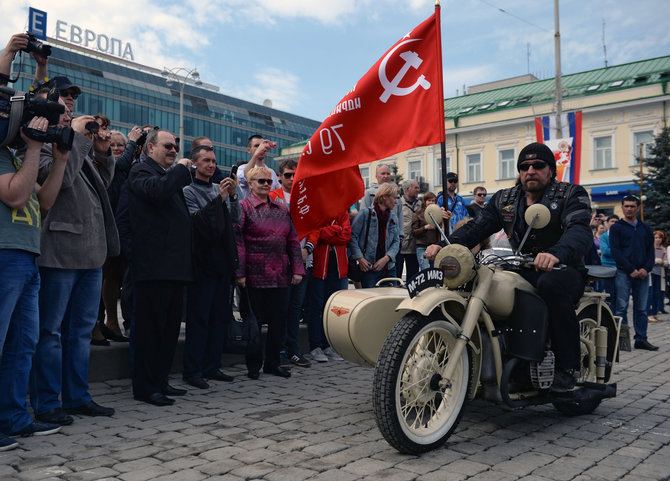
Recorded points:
423,280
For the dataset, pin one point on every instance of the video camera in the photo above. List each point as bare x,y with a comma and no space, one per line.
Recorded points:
17,109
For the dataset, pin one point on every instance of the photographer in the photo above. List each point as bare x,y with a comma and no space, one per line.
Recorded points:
20,42
78,233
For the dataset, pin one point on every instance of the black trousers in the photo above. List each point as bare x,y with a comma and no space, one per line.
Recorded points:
561,291
158,313
270,306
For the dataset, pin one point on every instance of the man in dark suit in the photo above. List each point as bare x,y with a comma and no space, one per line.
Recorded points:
161,262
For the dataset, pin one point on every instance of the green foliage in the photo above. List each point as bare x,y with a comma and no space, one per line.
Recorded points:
656,183
396,178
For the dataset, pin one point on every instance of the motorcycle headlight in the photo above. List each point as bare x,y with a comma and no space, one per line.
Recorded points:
457,263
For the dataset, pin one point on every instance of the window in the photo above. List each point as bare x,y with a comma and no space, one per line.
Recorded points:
414,170
473,167
602,153
507,164
365,174
644,139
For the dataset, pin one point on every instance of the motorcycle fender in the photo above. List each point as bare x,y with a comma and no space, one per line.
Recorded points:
428,300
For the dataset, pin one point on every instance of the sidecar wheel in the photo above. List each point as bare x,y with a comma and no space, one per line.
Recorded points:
414,412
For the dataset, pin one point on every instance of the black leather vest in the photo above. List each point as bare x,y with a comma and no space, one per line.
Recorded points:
553,198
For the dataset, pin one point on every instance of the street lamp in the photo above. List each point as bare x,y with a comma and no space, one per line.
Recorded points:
181,76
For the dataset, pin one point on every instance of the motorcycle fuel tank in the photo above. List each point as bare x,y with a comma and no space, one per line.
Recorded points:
500,300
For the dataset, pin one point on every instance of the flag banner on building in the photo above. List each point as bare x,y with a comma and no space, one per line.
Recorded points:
396,106
565,144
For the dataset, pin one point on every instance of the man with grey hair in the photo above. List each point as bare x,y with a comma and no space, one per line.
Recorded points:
410,204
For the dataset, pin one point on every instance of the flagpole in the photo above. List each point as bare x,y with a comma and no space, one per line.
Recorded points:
440,90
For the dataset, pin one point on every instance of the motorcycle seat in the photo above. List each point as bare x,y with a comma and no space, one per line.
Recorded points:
601,272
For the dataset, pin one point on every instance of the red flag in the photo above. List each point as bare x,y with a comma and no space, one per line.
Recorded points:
396,106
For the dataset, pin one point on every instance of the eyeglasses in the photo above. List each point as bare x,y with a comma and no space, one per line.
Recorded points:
452,181
67,93
264,181
481,194
537,165
289,175
170,146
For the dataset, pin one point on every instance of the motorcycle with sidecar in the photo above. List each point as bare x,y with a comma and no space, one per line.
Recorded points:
471,327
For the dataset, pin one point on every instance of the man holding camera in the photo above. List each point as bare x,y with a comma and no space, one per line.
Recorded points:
257,147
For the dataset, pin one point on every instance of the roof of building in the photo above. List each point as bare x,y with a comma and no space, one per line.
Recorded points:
590,82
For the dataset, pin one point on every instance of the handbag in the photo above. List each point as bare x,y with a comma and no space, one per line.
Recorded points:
242,335
354,271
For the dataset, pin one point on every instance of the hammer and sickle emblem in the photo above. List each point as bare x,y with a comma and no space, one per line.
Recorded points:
411,60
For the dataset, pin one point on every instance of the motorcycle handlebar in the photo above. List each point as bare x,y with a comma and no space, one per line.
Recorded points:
524,261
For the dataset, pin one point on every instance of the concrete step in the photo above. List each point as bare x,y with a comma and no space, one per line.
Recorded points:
113,361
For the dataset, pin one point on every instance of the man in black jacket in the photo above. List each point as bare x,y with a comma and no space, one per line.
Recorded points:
161,262
565,240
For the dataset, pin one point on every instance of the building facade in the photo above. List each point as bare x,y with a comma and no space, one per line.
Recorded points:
133,94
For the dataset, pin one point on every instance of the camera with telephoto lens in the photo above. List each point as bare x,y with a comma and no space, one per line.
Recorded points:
37,47
17,109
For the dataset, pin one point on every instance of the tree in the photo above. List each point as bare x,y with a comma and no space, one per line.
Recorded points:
396,178
656,183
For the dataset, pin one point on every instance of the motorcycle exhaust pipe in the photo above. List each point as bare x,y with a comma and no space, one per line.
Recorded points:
601,352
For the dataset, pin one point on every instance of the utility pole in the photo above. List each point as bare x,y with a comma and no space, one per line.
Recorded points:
557,57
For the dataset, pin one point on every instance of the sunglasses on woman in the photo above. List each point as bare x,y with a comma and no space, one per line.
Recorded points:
264,181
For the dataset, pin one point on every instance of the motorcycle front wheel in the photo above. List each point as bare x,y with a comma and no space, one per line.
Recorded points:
414,413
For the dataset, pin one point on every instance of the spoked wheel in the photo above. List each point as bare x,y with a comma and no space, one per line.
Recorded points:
577,407
416,409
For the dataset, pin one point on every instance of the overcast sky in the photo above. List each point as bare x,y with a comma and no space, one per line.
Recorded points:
305,55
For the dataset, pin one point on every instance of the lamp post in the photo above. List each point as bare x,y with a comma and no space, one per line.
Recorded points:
181,76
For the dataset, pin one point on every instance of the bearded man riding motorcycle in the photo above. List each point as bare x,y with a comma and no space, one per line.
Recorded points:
565,240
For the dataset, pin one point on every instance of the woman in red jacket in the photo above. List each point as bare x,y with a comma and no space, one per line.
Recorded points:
329,275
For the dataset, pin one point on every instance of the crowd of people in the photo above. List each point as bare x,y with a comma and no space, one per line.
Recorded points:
174,237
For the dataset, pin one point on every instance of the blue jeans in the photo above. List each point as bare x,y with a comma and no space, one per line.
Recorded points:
370,278
19,321
295,302
423,262
625,285
655,295
69,301
319,292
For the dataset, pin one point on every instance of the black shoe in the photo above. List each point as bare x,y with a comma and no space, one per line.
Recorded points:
55,416
99,342
646,345
37,429
7,443
564,381
218,375
196,381
173,391
283,360
300,360
90,409
109,334
157,399
253,375
277,371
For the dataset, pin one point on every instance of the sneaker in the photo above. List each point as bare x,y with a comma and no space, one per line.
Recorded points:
318,355
300,360
330,352
7,443
283,360
37,429
564,381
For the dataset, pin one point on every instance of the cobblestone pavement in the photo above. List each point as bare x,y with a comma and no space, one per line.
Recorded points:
319,425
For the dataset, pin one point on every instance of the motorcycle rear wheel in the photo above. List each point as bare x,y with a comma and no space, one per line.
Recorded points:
413,413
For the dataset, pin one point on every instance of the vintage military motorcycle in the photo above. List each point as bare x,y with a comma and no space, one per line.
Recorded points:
470,328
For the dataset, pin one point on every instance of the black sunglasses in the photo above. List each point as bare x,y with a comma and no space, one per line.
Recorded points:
482,194
264,181
452,181
67,93
203,147
170,146
289,175
537,165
